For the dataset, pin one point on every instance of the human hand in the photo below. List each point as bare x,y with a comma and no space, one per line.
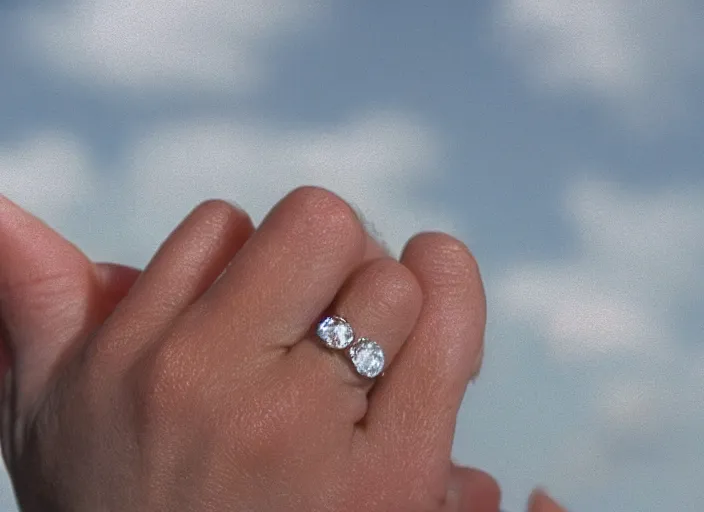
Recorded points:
61,274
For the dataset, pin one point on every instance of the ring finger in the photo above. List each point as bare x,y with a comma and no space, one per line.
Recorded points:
381,301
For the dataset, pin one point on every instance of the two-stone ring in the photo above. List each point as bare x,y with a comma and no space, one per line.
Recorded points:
366,355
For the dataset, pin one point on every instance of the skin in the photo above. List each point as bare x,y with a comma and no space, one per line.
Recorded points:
117,378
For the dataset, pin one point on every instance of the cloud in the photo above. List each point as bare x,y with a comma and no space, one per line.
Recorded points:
655,236
578,319
48,174
639,256
614,302
628,52
631,405
164,45
654,415
377,161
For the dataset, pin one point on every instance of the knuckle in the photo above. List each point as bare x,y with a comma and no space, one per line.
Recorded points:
455,253
216,212
163,387
215,207
327,214
448,260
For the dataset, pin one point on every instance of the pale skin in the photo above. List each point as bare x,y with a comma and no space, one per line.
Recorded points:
197,384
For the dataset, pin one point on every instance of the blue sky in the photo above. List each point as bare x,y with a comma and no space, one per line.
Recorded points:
561,139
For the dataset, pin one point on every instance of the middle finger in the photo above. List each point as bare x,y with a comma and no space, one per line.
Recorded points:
288,272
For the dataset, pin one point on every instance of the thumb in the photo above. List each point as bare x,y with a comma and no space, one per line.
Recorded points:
540,502
51,296
472,490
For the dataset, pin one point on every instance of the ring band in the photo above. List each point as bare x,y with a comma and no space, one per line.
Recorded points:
366,355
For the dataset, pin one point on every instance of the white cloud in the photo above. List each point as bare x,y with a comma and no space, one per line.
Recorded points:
648,405
637,53
575,316
657,237
652,420
379,161
48,174
614,301
631,405
376,161
164,44
638,255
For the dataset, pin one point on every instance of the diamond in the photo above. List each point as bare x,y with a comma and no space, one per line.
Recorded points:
367,357
336,332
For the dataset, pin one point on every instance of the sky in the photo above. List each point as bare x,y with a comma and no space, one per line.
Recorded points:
561,140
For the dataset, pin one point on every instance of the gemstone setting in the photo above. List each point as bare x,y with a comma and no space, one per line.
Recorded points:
367,357
335,332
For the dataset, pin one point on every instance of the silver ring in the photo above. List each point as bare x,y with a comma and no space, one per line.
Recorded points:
366,355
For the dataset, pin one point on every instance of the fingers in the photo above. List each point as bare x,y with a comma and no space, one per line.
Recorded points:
413,409
185,265
36,253
290,270
381,301
471,490
541,502
116,281
51,296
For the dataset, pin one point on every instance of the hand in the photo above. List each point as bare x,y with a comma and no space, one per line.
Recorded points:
41,269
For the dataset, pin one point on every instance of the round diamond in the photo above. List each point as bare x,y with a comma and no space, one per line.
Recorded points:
336,332
368,357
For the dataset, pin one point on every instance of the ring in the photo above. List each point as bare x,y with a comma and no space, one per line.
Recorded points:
366,355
